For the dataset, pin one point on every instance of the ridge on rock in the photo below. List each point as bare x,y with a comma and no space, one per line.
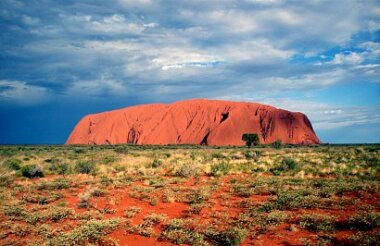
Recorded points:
197,121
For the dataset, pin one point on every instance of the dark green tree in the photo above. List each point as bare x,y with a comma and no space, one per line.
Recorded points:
251,139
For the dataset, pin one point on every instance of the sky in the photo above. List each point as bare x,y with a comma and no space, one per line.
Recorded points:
61,60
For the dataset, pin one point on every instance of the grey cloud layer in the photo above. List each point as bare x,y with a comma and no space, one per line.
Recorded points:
179,49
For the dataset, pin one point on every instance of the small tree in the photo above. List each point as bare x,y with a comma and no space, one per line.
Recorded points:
251,139
62,168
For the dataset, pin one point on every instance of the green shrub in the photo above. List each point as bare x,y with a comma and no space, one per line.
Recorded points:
32,171
272,218
13,210
252,155
41,199
12,164
109,159
85,167
220,169
232,236
178,232
59,213
217,155
317,222
80,151
91,232
5,179
277,144
288,164
56,184
199,196
364,221
60,168
153,219
364,239
286,201
53,160
131,212
186,171
156,163
121,149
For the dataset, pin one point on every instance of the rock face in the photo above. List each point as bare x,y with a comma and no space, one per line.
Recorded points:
198,121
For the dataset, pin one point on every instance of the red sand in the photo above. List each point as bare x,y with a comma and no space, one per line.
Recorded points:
198,121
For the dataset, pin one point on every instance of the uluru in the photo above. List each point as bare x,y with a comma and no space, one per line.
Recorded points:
196,121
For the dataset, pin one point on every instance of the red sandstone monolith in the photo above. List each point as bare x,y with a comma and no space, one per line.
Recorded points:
198,121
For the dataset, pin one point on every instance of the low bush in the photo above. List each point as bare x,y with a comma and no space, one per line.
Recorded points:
41,199
59,213
286,201
32,171
186,171
220,169
277,144
12,164
217,155
85,167
146,227
273,218
156,163
91,232
121,149
131,212
372,238
288,164
5,179
252,155
60,168
232,236
14,210
199,196
317,222
109,159
364,221
56,184
179,232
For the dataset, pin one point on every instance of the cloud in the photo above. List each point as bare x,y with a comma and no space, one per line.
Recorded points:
263,1
174,58
115,24
350,58
111,46
192,64
329,116
104,87
106,25
136,3
215,49
30,20
21,93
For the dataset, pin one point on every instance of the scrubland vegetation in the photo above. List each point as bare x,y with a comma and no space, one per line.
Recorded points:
192,195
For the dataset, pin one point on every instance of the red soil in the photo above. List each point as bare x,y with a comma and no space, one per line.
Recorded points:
210,122
222,206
